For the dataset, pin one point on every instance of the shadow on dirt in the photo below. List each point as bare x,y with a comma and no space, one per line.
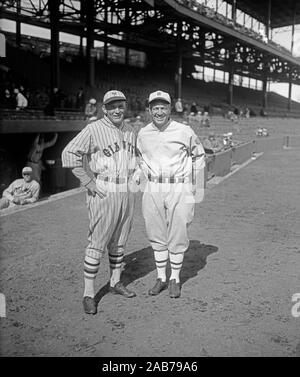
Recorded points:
195,259
140,263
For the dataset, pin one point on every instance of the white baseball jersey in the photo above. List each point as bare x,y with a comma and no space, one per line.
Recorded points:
171,152
167,159
23,190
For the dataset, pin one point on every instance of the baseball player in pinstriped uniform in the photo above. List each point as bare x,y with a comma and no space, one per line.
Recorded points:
102,156
170,151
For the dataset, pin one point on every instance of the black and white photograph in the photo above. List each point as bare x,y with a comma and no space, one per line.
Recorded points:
149,181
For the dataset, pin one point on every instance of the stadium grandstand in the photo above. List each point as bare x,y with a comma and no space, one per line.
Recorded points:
217,54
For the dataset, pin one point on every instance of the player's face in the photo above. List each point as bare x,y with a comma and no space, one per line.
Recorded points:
115,111
27,177
160,112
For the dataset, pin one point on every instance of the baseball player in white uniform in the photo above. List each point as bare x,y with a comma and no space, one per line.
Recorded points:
102,156
170,155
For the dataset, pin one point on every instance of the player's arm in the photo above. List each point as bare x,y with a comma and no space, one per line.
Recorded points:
51,142
139,163
73,157
35,193
8,192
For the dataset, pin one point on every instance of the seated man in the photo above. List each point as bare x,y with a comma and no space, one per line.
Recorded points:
91,110
21,191
212,144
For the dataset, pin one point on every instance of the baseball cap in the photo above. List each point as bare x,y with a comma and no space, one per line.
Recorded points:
27,169
159,95
92,101
113,95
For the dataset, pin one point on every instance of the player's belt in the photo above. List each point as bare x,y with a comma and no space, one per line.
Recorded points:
161,179
117,180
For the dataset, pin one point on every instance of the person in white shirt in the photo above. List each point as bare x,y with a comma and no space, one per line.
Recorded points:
21,191
22,101
171,154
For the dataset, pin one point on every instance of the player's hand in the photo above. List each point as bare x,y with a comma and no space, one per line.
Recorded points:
94,190
16,200
136,177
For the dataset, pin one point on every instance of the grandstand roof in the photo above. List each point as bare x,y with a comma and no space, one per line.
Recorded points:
282,12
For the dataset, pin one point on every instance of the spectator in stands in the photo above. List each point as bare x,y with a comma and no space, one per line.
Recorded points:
8,102
199,118
185,111
57,98
227,140
247,113
179,107
91,110
212,144
41,98
258,132
263,112
194,108
35,155
191,119
236,112
80,100
21,100
206,117
21,191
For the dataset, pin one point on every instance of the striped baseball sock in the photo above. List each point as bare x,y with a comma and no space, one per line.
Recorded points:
161,260
115,263
91,267
176,261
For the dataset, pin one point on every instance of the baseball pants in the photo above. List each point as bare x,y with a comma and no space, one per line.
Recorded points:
110,222
168,211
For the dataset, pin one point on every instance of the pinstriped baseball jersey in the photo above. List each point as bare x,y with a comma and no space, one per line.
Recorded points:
111,153
110,150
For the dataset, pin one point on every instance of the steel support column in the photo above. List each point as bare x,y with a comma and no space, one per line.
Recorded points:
268,31
54,26
265,93
292,51
105,50
18,24
90,11
233,11
127,23
178,74
230,79
82,18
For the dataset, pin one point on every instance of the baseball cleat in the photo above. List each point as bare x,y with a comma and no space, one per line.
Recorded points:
120,289
174,289
89,305
158,287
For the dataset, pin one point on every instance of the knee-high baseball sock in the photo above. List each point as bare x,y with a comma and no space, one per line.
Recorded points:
176,264
161,260
115,263
91,267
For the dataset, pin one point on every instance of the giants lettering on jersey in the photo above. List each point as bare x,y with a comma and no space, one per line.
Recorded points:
112,149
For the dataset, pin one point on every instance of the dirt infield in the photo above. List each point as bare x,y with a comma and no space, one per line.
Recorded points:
239,275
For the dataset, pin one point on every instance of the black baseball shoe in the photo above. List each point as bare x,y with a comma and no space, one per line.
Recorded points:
89,305
174,289
120,289
158,287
